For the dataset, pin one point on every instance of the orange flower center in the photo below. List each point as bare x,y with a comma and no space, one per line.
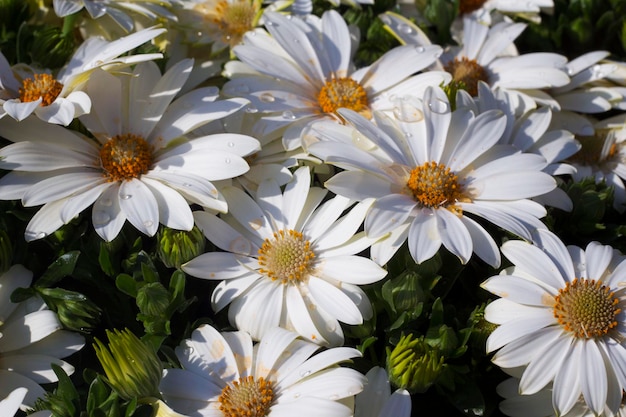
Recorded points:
586,308
42,85
247,397
591,149
342,92
287,257
233,19
467,72
434,185
125,157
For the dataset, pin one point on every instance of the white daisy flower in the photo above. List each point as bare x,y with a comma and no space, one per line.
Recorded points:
428,169
288,260
302,71
219,22
487,53
539,404
10,405
530,132
562,316
123,12
224,374
376,399
31,338
603,155
529,10
59,99
138,167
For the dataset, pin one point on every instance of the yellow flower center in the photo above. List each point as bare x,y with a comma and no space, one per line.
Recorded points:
42,85
586,308
468,6
287,257
434,185
247,397
233,19
125,157
343,92
590,152
468,72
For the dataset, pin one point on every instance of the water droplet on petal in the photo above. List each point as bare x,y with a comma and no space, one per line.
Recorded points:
334,397
306,373
419,49
231,144
148,223
296,395
40,235
361,141
407,112
126,196
267,98
288,115
439,106
404,28
251,109
227,160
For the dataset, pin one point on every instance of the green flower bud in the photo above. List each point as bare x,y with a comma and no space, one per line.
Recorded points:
414,365
175,247
51,48
132,368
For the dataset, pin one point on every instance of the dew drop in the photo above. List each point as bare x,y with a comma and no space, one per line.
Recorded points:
251,109
407,112
231,144
100,218
40,235
361,141
304,374
148,223
404,28
438,106
199,34
334,397
267,98
296,395
227,160
126,196
419,49
287,114
569,71
186,184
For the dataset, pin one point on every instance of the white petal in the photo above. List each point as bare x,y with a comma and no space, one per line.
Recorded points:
229,289
223,235
335,383
311,407
593,378
387,213
424,240
483,244
454,235
37,156
598,258
295,196
174,211
383,249
218,265
46,221
299,316
259,309
107,216
359,185
332,300
516,328
20,111
22,331
61,186
533,261
75,204
188,388
566,386
36,367
513,185
10,405
209,355
10,381
248,213
542,368
139,206
271,348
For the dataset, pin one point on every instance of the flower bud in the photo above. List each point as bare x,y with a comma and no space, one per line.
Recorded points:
132,368
175,247
414,365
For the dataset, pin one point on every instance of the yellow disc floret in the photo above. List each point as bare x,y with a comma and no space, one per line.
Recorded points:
287,257
248,397
468,72
342,92
233,19
434,185
42,85
125,157
587,308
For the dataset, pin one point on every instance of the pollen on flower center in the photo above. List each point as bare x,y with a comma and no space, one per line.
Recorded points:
342,92
468,72
586,308
42,85
468,6
434,185
248,397
287,257
233,19
125,157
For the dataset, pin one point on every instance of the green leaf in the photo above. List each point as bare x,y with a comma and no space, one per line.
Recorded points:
63,266
104,258
21,294
127,285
